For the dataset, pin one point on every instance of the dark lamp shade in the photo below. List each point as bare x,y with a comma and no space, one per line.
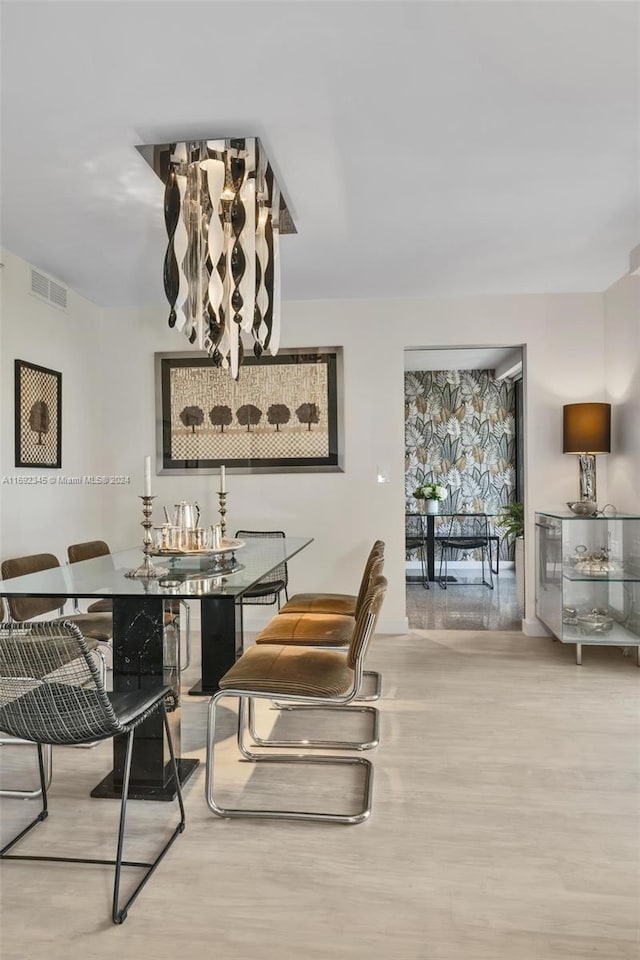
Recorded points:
586,428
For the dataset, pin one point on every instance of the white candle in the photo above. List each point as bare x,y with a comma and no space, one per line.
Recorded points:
147,476
223,488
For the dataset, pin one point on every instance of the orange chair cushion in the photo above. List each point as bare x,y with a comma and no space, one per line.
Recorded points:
308,629
341,603
289,671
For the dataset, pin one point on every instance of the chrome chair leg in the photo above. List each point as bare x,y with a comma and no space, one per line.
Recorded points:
259,813
47,750
311,744
377,689
42,792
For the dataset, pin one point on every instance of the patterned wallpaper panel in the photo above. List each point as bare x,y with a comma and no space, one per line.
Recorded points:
460,432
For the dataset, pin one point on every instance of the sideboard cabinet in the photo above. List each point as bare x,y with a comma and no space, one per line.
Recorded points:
588,579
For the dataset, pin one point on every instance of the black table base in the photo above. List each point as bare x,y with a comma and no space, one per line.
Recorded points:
111,788
146,656
221,632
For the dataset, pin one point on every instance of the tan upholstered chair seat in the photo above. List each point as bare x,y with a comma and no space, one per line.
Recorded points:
291,671
93,626
106,606
100,606
308,629
341,603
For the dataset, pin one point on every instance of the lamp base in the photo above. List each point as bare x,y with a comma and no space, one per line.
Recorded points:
587,462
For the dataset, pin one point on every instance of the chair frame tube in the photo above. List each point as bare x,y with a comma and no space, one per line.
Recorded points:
259,813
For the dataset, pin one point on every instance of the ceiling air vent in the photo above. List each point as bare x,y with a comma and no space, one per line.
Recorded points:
48,289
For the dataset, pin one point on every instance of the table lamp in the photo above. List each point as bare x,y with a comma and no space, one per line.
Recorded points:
586,432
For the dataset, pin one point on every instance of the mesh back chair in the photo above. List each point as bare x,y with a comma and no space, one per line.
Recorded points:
19,741
97,628
466,534
298,675
268,590
89,550
51,692
415,542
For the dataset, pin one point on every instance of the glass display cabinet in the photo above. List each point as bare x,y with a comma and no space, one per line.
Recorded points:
588,579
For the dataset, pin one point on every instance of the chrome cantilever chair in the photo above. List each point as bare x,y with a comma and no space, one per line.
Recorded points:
467,532
345,604
90,550
308,620
51,692
297,675
269,589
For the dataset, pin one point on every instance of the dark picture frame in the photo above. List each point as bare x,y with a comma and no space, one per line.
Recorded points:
284,414
38,416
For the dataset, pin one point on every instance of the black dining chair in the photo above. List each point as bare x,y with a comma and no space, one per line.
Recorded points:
52,692
415,541
268,590
467,533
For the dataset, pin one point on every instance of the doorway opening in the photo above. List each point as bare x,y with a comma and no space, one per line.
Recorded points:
464,476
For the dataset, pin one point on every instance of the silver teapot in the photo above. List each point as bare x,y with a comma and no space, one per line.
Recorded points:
186,515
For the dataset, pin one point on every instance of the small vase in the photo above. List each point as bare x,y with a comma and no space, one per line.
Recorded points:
433,506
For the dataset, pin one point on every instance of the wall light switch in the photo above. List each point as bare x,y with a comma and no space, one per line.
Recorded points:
383,474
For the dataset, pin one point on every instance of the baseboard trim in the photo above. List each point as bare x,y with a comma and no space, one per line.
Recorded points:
532,627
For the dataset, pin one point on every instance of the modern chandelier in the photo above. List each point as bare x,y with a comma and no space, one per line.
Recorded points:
224,213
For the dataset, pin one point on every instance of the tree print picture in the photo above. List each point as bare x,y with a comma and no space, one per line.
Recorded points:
280,413
38,413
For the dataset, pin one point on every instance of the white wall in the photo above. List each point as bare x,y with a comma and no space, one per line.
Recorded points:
622,371
106,357
41,518
564,340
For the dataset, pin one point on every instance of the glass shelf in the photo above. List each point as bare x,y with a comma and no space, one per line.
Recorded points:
616,576
590,519
618,636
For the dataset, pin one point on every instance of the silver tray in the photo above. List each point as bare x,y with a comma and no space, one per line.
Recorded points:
228,546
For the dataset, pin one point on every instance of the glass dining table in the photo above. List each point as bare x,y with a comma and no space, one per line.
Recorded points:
145,654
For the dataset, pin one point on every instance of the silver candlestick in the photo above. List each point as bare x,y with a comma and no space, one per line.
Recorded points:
222,510
147,570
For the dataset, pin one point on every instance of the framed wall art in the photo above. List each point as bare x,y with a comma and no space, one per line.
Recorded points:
283,414
38,416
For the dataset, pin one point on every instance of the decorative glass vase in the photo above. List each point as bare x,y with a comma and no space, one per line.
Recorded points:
433,506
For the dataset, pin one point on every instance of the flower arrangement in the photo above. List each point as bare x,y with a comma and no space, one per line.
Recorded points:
430,491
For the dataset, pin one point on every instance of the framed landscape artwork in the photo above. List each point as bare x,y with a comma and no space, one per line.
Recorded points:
282,414
38,416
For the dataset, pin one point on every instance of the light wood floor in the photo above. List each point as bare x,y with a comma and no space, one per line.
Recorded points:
505,825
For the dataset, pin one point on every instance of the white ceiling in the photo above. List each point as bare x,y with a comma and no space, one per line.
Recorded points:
425,148
463,358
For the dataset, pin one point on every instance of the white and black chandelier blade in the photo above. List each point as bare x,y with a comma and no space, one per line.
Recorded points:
224,213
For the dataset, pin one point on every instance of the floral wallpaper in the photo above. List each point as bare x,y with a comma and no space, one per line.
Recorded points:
460,432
